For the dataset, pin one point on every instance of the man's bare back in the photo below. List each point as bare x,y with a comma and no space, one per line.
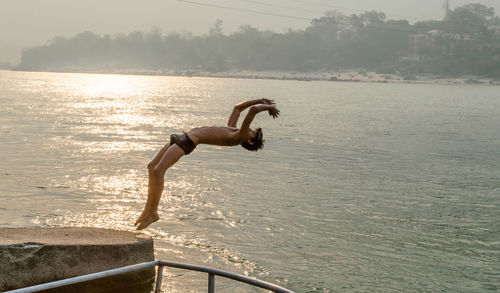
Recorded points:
228,135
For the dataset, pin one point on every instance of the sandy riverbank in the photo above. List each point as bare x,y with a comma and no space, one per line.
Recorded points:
334,76
338,76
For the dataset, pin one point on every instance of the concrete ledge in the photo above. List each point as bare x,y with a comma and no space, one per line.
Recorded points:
30,256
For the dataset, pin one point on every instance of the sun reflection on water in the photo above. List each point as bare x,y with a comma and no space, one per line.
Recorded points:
97,134
120,184
92,86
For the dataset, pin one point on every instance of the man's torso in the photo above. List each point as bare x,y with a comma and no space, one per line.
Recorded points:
224,135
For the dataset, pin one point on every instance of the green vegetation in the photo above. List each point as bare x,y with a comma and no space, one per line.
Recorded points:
466,42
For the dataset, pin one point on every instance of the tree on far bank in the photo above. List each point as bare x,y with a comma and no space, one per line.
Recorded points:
464,45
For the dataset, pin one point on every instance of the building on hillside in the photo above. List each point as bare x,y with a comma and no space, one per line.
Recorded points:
467,42
416,43
495,29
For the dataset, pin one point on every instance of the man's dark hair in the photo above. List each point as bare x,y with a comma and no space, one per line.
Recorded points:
257,141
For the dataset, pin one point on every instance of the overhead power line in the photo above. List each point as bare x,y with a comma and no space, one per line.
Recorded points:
290,16
342,8
245,10
281,6
370,26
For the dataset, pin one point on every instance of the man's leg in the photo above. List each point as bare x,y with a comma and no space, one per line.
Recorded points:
151,166
155,189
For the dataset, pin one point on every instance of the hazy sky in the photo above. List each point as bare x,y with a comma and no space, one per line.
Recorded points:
33,22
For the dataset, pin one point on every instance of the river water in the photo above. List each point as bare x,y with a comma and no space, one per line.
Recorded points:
361,187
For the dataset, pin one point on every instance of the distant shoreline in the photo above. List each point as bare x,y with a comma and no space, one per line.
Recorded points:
333,76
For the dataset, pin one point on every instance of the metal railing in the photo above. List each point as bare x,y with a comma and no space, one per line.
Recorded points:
161,264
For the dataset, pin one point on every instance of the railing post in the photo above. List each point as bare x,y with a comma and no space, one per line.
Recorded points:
159,277
211,283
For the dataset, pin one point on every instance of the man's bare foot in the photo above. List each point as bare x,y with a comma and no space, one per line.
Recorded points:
146,219
141,217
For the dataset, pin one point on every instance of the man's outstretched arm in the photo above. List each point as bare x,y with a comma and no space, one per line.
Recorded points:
273,111
235,115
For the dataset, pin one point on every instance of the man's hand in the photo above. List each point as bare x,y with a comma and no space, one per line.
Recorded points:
254,110
274,112
267,101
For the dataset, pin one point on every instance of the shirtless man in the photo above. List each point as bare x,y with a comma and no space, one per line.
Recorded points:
183,144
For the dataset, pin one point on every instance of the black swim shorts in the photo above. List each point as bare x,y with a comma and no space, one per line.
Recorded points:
183,141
